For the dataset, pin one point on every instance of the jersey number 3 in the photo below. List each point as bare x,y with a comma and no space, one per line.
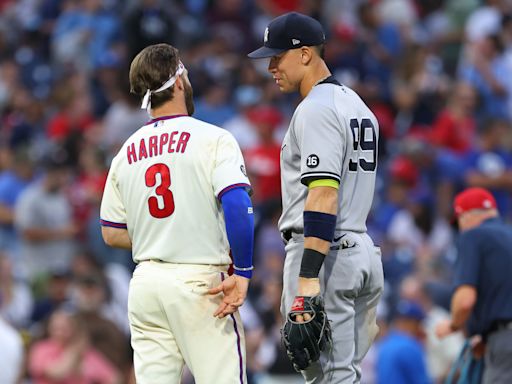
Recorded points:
360,139
161,190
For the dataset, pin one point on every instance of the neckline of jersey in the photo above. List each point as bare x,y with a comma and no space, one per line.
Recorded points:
165,118
328,80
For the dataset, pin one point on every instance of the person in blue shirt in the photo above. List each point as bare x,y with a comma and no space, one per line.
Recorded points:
13,182
489,164
401,357
485,66
482,301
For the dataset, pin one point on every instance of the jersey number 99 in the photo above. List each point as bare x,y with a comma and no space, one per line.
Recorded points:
161,190
366,144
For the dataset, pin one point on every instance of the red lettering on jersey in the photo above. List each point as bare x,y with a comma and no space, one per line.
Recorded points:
182,143
172,142
143,153
164,139
153,146
130,153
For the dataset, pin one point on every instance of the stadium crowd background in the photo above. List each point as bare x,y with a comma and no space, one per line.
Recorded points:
438,75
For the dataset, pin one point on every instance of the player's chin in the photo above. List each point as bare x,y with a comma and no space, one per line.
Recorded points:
286,88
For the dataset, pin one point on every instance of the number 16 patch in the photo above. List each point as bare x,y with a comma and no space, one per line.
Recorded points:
312,161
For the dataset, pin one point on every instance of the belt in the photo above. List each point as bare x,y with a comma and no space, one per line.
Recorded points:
288,234
500,325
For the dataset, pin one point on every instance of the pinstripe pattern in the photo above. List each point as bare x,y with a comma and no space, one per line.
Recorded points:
239,348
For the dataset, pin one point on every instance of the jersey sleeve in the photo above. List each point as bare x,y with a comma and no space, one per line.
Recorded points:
467,266
229,167
112,211
321,141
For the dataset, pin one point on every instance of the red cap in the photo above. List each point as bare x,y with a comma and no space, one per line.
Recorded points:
344,32
473,198
403,169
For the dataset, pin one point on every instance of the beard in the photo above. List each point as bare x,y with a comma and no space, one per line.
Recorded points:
189,99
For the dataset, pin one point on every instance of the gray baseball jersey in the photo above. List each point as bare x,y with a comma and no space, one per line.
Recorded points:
332,135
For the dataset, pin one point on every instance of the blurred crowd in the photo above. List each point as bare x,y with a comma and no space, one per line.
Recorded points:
437,74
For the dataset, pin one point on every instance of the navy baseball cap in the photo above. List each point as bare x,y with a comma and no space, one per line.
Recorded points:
410,309
289,31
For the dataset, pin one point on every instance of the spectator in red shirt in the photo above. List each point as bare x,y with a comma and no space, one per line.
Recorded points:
66,357
454,128
74,114
262,160
86,190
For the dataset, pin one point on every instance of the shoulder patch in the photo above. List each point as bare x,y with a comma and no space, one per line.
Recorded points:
312,161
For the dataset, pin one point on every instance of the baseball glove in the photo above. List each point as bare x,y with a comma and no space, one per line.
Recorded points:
304,341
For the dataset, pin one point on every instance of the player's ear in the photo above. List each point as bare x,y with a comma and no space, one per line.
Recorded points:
306,55
179,83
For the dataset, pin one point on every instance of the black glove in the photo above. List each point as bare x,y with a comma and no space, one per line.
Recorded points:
304,341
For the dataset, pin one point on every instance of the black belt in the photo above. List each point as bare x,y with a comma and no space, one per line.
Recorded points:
500,325
288,234
505,324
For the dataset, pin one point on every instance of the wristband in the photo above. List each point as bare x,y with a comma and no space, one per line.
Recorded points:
319,224
243,271
312,261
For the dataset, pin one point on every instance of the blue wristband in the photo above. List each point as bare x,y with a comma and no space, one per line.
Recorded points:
319,224
240,229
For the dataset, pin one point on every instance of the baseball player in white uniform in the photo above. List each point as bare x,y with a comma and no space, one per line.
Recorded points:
177,196
328,165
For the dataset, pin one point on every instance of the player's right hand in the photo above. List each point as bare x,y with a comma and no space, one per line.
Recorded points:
234,289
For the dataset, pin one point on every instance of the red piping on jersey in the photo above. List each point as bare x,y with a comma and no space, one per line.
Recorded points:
165,118
239,350
106,223
229,188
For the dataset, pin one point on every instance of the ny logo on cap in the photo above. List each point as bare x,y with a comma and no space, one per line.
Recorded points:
295,41
265,35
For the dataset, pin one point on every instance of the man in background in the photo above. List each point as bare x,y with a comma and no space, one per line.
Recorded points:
482,301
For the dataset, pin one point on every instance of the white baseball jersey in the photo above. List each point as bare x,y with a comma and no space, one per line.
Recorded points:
332,135
164,186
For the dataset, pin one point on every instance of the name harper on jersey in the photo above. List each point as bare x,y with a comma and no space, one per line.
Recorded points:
174,142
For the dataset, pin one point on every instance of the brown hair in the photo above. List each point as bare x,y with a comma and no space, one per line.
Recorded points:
150,69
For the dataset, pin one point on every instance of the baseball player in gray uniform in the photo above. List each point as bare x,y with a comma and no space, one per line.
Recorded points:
328,166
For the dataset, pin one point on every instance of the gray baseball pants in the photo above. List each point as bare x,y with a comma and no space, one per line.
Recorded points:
351,281
498,358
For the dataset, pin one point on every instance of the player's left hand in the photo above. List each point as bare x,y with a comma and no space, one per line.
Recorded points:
235,290
444,328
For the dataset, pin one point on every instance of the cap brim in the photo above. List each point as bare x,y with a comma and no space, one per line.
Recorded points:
263,52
